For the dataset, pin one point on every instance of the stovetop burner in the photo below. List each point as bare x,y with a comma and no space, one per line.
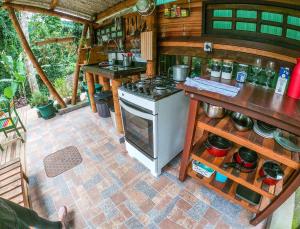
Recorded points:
152,89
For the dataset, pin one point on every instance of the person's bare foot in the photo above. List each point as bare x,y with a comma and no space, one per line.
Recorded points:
62,215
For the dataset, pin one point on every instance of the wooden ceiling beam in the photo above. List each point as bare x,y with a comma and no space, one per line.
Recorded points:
55,40
53,4
115,8
34,9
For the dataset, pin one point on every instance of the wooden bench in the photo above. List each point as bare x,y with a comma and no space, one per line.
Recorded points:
14,183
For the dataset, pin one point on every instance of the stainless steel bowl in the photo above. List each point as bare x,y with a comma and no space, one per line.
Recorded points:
213,111
241,122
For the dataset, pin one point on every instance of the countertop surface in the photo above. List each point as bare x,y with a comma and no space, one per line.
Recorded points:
257,102
114,72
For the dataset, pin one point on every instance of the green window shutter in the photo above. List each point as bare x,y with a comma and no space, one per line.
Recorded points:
293,20
245,26
246,14
275,17
293,34
222,13
222,25
273,30
161,2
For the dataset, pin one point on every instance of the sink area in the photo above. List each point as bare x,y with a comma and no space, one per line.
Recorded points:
119,68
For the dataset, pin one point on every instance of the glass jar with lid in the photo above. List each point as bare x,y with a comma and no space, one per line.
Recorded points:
227,69
242,73
216,67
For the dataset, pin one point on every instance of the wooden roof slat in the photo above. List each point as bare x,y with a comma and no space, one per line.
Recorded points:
53,4
34,9
55,40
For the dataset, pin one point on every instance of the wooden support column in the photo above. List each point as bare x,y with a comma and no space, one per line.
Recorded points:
115,85
191,127
91,90
291,187
152,25
104,82
32,58
77,68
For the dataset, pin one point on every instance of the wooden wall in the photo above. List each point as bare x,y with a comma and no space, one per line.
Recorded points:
181,27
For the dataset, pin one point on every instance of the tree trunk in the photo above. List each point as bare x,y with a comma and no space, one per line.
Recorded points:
31,73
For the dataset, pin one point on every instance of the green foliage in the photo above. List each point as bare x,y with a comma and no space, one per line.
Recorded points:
56,60
38,99
17,74
62,87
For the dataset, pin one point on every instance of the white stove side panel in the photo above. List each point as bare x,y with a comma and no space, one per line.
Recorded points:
172,122
138,100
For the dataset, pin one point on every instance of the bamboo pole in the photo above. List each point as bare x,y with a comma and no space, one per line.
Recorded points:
34,9
31,56
53,4
77,68
55,40
115,85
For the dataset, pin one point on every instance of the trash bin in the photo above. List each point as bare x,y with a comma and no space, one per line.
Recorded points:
102,101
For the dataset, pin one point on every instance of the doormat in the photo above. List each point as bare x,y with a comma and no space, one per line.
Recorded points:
61,161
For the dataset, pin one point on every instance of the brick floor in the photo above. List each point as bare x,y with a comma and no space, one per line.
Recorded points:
111,190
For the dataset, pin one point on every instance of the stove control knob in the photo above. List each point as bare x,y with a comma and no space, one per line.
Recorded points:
129,86
134,87
141,90
148,91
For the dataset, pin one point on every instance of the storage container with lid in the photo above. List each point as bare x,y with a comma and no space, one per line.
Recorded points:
216,67
242,73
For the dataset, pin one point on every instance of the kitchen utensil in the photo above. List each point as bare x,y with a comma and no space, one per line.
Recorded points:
213,111
227,69
256,68
180,72
263,130
216,67
127,60
294,87
241,122
271,173
248,195
202,169
287,141
217,146
244,160
220,177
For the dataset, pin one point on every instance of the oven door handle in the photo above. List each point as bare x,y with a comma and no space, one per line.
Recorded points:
136,112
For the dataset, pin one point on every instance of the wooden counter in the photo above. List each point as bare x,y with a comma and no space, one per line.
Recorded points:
258,103
103,75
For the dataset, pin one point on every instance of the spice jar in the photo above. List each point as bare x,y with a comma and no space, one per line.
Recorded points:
227,69
242,73
216,68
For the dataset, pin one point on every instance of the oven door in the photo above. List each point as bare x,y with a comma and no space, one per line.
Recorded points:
140,128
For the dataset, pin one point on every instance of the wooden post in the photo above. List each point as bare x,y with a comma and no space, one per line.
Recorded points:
190,132
32,58
152,26
91,90
77,68
291,187
104,82
115,85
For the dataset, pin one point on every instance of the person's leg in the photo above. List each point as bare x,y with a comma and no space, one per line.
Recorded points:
31,218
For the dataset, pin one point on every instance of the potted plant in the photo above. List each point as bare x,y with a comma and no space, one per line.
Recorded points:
43,104
63,88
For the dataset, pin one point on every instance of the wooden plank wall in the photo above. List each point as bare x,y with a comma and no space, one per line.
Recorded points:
181,27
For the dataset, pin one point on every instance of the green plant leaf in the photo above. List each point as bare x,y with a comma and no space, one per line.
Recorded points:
8,92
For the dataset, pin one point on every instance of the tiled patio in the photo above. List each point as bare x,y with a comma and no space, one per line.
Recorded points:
111,190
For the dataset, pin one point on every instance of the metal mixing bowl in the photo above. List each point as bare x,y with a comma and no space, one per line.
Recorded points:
241,122
214,111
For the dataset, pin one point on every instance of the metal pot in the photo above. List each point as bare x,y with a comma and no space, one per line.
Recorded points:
217,146
127,60
213,111
271,173
180,72
241,122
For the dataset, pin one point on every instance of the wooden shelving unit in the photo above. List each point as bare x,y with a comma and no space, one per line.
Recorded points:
267,149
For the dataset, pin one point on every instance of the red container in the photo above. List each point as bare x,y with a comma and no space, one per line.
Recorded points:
294,87
267,177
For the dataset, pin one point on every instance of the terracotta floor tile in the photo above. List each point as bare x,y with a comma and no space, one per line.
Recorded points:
212,216
168,224
118,198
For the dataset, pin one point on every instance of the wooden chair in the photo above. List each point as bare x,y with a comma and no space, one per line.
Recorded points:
14,183
9,120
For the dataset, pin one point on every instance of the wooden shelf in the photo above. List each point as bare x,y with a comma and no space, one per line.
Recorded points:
227,190
249,180
267,147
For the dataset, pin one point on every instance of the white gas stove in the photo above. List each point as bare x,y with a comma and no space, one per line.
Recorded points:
154,115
